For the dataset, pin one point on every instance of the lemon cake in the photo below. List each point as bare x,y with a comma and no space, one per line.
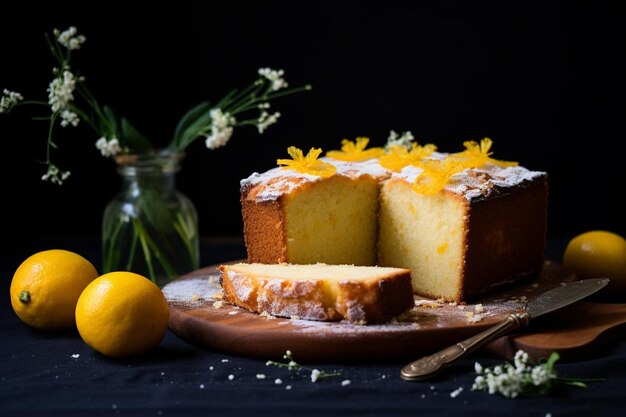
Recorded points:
485,227
358,294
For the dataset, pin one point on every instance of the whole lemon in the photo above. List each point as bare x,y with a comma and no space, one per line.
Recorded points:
46,286
598,253
122,314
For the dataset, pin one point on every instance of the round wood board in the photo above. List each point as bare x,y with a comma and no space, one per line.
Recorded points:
199,316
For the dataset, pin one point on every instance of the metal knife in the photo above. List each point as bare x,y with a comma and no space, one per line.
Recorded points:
544,303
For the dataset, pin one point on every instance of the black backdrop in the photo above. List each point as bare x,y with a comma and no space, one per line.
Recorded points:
544,80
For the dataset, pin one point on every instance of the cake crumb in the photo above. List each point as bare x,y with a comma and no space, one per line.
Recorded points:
479,308
288,387
213,279
469,314
562,284
535,285
456,392
76,355
278,381
201,386
427,303
210,368
195,297
260,376
423,395
267,315
219,295
224,360
345,382
232,313
295,317
218,304
231,377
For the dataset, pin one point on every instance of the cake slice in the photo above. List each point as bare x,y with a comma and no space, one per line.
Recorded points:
358,294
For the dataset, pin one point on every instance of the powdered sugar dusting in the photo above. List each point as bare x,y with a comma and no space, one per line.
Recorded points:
278,181
475,183
471,183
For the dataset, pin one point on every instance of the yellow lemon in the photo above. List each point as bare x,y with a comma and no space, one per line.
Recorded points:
46,286
596,254
122,314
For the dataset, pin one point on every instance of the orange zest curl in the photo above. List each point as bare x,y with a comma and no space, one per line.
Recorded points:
476,155
308,164
355,151
436,175
398,156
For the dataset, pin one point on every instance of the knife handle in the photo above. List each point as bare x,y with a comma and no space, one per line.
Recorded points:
429,365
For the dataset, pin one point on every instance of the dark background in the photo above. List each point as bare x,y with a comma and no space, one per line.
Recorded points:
544,80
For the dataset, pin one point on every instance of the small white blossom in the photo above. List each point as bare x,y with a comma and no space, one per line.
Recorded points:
456,392
264,106
275,76
108,147
540,375
69,38
266,120
9,99
61,91
520,359
405,139
69,118
221,129
55,175
315,374
218,139
478,368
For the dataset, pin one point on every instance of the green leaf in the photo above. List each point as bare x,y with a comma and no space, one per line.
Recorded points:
135,140
112,121
193,131
189,118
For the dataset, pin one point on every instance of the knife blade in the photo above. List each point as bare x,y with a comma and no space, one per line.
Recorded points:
544,303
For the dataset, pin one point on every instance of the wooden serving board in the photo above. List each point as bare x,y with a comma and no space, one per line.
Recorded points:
199,316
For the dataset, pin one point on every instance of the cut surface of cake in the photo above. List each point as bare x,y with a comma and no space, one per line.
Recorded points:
479,233
358,294
485,227
305,219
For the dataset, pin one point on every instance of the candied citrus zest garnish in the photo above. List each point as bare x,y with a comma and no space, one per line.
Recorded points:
355,151
476,155
436,175
308,164
398,156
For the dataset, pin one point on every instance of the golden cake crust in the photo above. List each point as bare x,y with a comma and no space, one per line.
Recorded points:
358,301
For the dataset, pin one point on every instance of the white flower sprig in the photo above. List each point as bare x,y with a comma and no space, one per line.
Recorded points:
70,102
405,139
522,377
8,100
292,365
69,38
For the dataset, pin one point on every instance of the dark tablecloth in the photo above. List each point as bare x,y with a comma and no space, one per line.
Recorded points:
58,374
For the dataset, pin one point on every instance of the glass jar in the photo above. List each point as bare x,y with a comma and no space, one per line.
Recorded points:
150,228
